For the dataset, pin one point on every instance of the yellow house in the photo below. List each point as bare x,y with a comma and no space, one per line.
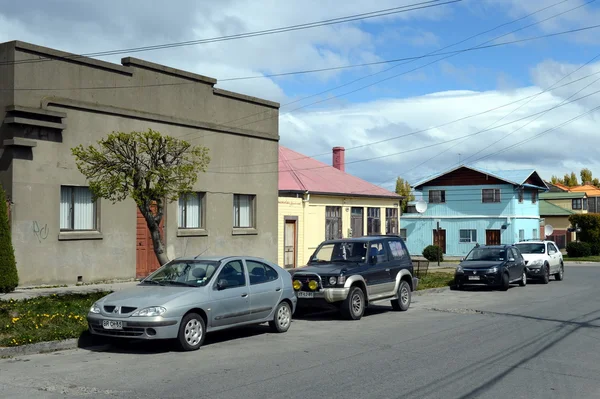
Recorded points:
318,202
556,207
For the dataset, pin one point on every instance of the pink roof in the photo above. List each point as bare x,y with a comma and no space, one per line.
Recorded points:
299,173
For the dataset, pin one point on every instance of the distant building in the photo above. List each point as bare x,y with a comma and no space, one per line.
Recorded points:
473,205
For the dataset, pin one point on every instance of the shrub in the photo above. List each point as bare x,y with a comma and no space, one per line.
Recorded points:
432,252
9,279
579,249
589,223
595,248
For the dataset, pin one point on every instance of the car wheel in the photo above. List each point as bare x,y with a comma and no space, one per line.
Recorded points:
191,332
561,273
523,281
546,277
404,297
505,282
282,319
353,307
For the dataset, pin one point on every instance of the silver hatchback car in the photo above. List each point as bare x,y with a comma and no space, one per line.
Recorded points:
188,297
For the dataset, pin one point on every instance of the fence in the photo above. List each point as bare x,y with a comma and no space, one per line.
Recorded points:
420,267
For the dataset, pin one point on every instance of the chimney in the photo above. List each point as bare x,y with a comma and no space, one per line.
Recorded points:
338,158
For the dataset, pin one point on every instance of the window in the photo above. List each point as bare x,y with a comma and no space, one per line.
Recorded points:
378,250
534,197
437,196
243,211
521,195
398,249
521,235
403,234
260,273
576,204
391,220
535,234
77,210
490,195
333,222
232,275
468,236
373,221
190,211
585,204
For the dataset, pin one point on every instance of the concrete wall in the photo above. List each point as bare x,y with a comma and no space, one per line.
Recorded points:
6,99
179,104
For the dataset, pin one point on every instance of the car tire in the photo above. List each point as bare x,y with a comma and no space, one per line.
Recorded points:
282,319
402,303
523,280
353,307
505,285
546,277
561,273
192,332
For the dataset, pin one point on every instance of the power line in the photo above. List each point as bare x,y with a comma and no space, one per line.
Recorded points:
350,18
545,36
394,76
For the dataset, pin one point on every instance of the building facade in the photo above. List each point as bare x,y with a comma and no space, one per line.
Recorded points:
318,202
468,205
55,101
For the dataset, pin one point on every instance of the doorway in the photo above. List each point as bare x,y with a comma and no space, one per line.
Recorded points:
145,258
439,239
492,237
290,243
357,221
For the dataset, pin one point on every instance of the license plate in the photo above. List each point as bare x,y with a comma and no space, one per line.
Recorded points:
112,325
302,294
474,277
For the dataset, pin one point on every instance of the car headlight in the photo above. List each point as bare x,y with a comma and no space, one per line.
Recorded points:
149,312
297,285
332,280
493,269
341,279
536,263
459,269
95,308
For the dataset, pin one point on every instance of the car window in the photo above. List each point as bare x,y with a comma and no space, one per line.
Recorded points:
551,248
555,247
397,249
378,249
260,273
233,273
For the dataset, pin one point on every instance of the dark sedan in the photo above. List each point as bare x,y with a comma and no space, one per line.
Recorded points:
492,265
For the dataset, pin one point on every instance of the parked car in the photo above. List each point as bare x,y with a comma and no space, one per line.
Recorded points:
352,273
491,265
542,259
189,297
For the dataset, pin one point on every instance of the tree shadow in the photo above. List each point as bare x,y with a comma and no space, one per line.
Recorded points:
321,313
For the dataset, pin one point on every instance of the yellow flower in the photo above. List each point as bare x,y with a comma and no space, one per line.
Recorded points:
15,319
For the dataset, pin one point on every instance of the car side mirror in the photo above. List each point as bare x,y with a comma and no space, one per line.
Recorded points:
511,259
462,259
222,284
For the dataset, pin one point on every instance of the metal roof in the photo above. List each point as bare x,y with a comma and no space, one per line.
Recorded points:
550,209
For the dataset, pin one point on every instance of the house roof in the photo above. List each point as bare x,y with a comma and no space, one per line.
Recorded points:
550,209
590,190
517,177
559,186
559,195
300,174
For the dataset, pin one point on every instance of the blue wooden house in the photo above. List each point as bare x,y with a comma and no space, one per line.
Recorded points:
468,205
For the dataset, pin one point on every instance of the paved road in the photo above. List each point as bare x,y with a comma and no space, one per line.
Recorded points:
540,341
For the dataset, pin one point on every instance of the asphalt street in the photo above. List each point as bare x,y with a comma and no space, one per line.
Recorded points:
538,341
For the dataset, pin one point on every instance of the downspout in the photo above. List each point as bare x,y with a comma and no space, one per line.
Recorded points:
305,202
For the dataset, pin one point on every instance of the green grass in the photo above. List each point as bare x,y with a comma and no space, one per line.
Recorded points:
584,259
47,318
435,280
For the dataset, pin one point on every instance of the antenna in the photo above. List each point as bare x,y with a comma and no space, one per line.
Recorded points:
200,254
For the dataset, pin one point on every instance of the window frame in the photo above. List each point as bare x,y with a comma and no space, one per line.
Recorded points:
236,205
394,218
577,201
496,196
95,211
201,214
244,273
471,233
405,234
442,195
373,219
336,211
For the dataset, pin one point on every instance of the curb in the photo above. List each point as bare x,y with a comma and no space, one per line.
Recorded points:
40,347
431,291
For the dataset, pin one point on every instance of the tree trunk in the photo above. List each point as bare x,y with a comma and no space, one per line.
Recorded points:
153,223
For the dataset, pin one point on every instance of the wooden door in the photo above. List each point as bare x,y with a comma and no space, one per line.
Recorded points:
145,258
439,239
290,251
357,222
492,237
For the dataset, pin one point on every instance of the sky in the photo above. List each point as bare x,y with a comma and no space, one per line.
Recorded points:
526,105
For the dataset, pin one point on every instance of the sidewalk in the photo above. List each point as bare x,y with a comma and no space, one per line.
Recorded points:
26,293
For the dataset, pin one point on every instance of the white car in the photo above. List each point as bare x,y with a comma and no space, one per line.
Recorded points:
542,259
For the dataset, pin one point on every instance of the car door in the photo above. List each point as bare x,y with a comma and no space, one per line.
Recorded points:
230,294
399,258
519,262
377,274
512,261
553,257
265,288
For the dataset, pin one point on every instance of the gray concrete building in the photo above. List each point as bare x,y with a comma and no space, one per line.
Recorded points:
51,101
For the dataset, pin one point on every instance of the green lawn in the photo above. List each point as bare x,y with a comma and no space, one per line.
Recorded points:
435,280
48,318
584,259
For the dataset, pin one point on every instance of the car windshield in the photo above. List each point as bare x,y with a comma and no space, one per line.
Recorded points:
340,252
487,254
184,273
532,248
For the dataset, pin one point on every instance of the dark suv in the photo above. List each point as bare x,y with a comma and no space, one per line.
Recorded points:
493,265
351,273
